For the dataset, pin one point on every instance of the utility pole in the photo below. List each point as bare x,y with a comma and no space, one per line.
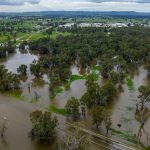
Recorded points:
29,86
36,95
3,126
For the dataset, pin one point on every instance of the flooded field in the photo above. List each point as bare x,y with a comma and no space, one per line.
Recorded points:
122,109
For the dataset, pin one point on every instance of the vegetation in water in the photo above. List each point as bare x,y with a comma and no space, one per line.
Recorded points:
97,95
130,83
16,94
43,126
125,135
7,48
56,91
60,111
22,70
73,108
97,113
60,47
76,77
9,81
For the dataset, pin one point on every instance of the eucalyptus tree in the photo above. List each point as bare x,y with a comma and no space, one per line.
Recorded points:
43,126
22,69
116,78
9,81
73,108
97,113
142,114
107,67
144,95
36,69
108,91
92,96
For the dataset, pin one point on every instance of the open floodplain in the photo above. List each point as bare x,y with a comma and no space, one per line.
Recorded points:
65,62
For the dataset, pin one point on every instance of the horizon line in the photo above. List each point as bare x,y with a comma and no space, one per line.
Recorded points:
73,11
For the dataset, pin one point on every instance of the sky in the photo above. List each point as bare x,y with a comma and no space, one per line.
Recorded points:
74,5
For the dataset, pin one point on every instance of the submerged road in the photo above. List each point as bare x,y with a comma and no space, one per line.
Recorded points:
102,141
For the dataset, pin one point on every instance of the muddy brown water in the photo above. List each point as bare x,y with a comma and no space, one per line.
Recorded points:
18,125
122,109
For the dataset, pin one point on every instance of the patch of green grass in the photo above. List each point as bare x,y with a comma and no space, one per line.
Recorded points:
56,91
55,34
3,38
76,77
36,36
66,86
59,90
56,110
23,38
15,94
125,135
129,83
94,73
97,68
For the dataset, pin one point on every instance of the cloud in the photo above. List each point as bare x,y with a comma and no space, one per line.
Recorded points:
91,5
22,2
18,2
131,1
74,5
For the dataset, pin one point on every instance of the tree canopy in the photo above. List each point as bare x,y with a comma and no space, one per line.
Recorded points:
44,126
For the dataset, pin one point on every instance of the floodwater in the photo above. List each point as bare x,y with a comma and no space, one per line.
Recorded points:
122,109
39,86
18,125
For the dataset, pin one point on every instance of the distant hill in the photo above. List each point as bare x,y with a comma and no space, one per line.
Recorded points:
126,14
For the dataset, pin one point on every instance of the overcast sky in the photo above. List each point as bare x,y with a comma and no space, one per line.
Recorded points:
69,5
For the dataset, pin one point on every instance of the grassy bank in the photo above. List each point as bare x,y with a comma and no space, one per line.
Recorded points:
15,94
129,82
77,77
60,111
127,136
